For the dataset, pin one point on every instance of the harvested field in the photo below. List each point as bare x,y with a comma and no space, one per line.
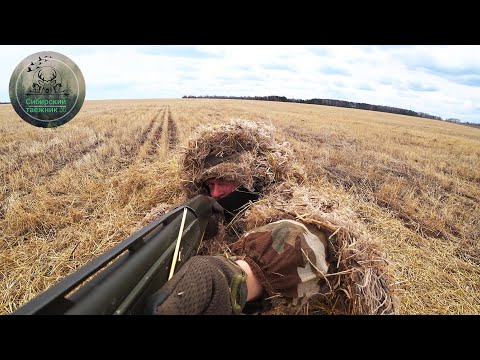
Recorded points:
70,193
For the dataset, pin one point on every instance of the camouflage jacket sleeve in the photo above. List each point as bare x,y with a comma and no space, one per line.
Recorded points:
288,257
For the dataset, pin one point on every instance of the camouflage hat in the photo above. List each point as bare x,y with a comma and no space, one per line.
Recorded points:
243,151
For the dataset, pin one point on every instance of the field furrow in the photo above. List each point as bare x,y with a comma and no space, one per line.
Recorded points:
172,131
155,141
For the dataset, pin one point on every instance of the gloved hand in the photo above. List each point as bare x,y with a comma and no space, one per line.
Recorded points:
287,257
204,285
212,226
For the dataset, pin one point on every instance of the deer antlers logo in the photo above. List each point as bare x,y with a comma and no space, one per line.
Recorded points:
46,80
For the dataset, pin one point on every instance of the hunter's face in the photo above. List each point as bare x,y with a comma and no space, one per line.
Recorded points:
220,188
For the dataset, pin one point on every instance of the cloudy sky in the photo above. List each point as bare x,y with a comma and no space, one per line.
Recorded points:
439,80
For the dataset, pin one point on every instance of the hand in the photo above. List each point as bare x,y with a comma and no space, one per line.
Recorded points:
217,216
217,207
204,285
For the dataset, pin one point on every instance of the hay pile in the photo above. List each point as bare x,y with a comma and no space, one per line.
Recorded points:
248,152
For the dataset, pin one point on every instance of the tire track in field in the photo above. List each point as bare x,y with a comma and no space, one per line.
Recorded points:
172,131
146,144
129,153
146,132
155,142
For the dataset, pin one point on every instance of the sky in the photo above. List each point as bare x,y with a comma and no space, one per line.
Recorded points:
440,80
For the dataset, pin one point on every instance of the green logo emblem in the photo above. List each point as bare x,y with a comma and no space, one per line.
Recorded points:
47,89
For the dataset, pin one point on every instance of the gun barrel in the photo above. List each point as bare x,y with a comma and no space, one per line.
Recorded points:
119,281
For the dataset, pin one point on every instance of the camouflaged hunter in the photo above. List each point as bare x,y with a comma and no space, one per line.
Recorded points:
295,259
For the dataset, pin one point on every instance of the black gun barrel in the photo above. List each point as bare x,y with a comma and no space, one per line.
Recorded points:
121,279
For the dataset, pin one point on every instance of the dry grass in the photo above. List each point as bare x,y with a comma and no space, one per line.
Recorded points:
70,193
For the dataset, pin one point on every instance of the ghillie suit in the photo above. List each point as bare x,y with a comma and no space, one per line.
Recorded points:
248,153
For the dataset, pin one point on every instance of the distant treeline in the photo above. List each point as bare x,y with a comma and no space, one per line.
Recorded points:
327,102
461,122
338,103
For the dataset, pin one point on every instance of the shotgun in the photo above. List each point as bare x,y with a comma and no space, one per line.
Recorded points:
119,281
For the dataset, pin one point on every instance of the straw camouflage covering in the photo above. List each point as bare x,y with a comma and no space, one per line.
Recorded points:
357,280
243,151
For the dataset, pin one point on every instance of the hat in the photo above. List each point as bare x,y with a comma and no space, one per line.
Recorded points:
242,150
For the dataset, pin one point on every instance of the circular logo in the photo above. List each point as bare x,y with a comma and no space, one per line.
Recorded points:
47,89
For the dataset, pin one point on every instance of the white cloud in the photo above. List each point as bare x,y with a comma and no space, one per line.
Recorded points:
419,78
